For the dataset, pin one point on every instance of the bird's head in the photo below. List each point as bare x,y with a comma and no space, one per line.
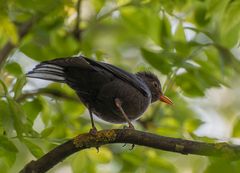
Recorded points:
155,87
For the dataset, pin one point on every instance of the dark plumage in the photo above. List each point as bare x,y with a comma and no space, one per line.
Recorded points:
109,92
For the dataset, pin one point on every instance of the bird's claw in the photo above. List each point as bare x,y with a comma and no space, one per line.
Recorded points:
97,149
130,126
124,145
132,147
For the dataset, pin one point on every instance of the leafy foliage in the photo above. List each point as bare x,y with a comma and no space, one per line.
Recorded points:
192,44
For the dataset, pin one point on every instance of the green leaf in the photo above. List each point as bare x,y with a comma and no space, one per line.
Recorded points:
189,84
200,14
190,125
33,50
180,34
14,68
165,33
50,40
63,44
197,79
73,108
180,43
98,4
46,111
7,145
236,128
229,28
8,158
131,20
4,87
33,148
157,60
39,7
5,118
222,166
32,109
9,29
159,164
169,126
132,158
80,157
18,116
103,156
227,59
21,81
216,9
46,132
8,151
203,138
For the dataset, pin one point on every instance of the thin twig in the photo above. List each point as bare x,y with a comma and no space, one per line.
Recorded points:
47,92
113,10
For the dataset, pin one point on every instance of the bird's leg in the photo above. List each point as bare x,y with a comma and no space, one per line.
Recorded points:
118,103
119,106
93,130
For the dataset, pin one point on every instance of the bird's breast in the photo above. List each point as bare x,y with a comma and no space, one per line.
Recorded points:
134,103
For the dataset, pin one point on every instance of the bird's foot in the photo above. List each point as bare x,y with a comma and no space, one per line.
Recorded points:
97,148
132,147
130,126
93,131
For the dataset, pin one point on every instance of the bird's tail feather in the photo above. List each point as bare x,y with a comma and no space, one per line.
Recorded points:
48,72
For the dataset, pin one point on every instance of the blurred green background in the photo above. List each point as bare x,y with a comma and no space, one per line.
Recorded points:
192,45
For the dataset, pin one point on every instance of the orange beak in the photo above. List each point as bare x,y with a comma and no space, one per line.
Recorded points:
165,99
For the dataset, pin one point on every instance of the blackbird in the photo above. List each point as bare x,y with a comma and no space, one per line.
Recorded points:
109,92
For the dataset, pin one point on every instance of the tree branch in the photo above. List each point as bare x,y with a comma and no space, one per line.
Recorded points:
48,92
5,51
103,137
9,46
77,30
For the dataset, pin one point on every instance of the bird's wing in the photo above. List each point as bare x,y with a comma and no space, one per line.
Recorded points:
123,75
54,70
70,62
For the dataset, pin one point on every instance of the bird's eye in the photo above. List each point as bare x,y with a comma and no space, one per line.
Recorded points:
155,84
